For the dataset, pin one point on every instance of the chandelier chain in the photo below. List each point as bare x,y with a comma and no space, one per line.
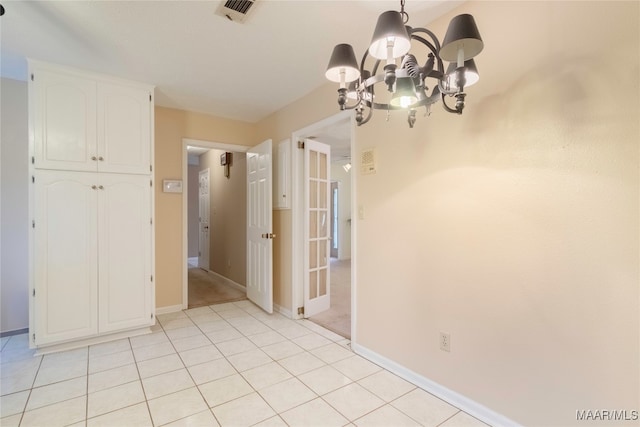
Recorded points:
405,15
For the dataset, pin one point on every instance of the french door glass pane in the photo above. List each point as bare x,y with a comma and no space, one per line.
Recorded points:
322,248
323,195
313,164
313,224
323,166
313,254
313,194
323,282
313,284
324,219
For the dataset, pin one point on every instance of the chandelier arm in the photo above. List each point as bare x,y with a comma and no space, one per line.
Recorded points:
446,107
365,120
426,43
430,34
364,58
352,107
435,49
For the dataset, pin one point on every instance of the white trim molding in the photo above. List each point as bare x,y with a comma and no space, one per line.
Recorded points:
467,405
168,309
228,281
285,312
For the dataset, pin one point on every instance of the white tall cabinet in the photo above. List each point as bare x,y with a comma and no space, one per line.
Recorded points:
91,203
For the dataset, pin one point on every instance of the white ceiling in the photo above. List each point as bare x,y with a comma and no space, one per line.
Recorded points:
199,61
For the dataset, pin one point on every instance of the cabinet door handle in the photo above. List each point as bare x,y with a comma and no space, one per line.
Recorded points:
101,158
93,187
93,158
101,187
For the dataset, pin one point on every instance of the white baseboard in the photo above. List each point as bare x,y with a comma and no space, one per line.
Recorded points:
168,309
228,281
71,345
469,406
285,312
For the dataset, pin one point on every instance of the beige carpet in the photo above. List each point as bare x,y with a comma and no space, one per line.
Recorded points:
206,289
338,318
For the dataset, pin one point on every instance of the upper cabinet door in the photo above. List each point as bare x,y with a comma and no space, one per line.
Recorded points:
124,129
64,121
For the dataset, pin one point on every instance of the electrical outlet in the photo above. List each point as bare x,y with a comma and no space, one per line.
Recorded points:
445,341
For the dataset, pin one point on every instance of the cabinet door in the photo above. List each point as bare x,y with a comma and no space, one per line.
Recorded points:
64,121
65,256
124,129
124,238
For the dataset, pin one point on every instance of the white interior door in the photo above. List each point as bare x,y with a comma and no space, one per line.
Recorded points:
317,190
259,226
203,208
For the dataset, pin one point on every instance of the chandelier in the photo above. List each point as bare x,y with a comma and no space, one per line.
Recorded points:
406,83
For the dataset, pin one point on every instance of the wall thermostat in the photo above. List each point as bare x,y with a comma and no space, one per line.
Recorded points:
172,186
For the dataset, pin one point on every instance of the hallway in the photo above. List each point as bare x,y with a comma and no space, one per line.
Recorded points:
206,289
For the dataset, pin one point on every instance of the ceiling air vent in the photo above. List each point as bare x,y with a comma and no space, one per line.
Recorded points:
235,10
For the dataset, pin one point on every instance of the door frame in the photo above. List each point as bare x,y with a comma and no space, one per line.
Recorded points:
186,142
298,214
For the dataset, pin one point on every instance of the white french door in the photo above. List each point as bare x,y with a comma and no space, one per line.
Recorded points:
259,226
203,213
317,229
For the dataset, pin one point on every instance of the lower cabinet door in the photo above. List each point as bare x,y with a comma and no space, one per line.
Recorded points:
124,248
65,256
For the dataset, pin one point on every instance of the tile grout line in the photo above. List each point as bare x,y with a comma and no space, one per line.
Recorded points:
144,393
189,372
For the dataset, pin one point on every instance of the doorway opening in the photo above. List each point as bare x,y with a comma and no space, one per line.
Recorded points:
214,223
336,132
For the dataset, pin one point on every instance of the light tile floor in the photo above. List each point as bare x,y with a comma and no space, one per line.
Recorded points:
229,365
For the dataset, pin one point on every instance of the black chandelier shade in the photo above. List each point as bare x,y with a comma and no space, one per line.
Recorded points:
390,33
462,35
407,81
471,74
343,66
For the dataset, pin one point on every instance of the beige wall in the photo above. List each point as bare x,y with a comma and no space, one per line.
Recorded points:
514,227
228,215
14,215
170,127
